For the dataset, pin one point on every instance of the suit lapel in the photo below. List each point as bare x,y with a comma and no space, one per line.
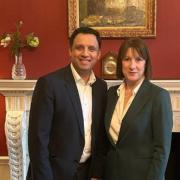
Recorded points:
74,96
129,119
94,100
95,107
112,100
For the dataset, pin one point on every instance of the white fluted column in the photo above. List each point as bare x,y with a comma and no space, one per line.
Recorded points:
17,99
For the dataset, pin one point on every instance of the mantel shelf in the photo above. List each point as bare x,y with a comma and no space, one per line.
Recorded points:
17,87
28,85
170,85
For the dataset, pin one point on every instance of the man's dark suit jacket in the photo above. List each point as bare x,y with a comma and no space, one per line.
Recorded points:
56,130
143,146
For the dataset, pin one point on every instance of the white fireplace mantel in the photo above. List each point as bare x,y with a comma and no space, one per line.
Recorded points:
16,87
18,95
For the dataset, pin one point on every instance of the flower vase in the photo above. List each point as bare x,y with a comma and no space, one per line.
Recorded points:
18,69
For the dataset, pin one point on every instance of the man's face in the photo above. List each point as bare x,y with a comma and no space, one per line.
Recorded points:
84,53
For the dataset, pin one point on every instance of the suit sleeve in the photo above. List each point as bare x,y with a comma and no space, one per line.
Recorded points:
98,158
41,115
162,132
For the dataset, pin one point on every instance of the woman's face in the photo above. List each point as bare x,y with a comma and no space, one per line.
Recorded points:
133,67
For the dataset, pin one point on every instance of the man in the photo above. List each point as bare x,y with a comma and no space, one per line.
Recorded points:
66,128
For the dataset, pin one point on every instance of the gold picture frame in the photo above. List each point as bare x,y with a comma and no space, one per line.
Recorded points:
114,18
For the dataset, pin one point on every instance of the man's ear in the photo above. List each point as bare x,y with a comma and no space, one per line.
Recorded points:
70,51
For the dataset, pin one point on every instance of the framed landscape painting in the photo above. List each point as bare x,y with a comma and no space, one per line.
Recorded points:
114,18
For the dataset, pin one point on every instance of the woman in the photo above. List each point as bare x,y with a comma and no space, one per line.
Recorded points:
138,119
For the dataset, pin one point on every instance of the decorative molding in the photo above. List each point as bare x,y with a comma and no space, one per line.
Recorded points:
17,87
17,100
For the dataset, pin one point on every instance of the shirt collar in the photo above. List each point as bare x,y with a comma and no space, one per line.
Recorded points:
78,78
135,90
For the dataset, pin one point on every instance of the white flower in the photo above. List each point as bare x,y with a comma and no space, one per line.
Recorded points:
5,41
8,38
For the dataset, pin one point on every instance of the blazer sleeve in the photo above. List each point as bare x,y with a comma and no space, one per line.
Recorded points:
162,132
41,115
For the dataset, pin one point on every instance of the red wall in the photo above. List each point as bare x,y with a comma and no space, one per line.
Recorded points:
48,19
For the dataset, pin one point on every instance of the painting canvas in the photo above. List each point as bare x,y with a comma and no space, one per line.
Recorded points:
114,18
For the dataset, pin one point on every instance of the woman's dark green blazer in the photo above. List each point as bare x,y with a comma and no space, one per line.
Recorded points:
143,146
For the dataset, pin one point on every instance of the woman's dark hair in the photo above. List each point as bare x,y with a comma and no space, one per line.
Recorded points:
141,48
85,30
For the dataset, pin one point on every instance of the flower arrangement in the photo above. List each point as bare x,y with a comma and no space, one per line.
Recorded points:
16,42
